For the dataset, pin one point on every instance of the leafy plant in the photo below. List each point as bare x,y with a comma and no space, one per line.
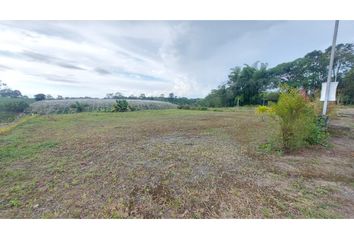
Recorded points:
15,106
262,111
299,124
14,203
79,107
120,106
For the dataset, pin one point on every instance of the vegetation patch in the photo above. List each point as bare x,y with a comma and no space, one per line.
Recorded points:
93,105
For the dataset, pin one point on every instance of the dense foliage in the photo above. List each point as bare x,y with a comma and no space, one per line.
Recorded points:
40,97
120,106
11,107
8,92
258,84
172,98
299,124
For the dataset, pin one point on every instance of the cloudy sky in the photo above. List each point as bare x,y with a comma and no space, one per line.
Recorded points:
189,58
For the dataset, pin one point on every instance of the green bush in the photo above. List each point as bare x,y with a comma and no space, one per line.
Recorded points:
120,106
15,107
262,110
187,107
79,107
319,133
298,120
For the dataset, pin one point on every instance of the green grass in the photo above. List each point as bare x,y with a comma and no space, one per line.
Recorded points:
165,164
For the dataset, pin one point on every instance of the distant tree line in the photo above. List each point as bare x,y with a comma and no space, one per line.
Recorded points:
172,98
258,84
8,92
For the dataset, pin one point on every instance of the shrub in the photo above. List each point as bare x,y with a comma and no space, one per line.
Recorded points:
16,106
120,106
319,133
79,107
299,124
187,107
262,110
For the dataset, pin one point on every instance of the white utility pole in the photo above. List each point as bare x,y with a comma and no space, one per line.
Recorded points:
325,103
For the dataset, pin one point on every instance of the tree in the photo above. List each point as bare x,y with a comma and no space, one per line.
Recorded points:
310,71
244,86
142,96
109,95
59,97
49,97
2,84
118,95
347,93
39,97
343,60
171,95
7,92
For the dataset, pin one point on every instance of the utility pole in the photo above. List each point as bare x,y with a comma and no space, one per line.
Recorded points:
325,103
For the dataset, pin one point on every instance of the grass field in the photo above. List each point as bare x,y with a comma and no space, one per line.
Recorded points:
169,164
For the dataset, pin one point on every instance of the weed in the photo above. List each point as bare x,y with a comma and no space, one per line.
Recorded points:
15,203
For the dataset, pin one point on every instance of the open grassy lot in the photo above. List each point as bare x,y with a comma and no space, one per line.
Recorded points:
169,164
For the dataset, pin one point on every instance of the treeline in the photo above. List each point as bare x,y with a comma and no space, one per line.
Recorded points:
258,84
172,98
5,91
118,95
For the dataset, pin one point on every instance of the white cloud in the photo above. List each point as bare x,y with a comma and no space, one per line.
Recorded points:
188,58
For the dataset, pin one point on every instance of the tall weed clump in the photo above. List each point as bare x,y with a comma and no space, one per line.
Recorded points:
300,126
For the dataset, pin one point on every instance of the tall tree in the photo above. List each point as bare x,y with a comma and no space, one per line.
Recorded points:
39,97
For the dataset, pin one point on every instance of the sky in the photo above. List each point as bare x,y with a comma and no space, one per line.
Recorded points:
188,58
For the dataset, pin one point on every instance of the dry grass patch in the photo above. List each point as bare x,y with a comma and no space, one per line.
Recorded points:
167,164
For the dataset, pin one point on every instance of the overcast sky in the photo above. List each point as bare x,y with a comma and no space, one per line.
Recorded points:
189,58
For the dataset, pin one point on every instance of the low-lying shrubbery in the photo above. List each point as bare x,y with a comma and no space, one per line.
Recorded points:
93,105
10,108
187,107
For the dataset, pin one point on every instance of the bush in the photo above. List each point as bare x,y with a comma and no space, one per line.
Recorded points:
79,107
120,106
15,107
187,107
262,110
299,124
